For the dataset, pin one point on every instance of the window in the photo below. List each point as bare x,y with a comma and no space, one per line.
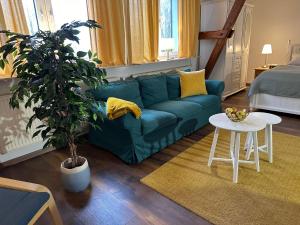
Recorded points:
168,33
31,17
76,10
50,15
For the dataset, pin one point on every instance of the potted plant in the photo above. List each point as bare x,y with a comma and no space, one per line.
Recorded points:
49,75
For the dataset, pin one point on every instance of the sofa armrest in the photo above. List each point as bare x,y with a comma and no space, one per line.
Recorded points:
215,87
127,122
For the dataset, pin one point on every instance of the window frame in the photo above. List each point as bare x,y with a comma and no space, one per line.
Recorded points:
162,54
45,19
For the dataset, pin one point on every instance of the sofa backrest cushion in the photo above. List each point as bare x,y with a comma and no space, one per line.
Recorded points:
127,90
173,83
153,89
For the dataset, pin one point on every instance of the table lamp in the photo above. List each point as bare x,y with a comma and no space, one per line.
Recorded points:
167,45
267,49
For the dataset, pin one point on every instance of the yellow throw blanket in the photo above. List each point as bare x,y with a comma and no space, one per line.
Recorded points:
116,108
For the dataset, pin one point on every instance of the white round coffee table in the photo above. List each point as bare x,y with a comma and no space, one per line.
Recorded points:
251,124
270,120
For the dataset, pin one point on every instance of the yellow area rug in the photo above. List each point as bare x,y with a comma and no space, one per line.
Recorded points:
271,197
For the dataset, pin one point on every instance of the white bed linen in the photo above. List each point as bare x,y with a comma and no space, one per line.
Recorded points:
275,103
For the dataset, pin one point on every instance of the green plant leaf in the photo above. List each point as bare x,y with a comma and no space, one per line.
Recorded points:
95,116
81,54
97,60
90,54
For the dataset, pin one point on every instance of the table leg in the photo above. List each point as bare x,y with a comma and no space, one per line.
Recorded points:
270,142
213,146
248,145
267,136
256,156
247,141
236,157
232,138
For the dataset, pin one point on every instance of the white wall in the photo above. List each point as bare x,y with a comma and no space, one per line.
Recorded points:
274,22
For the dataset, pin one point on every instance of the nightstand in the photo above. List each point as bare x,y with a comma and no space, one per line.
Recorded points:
259,70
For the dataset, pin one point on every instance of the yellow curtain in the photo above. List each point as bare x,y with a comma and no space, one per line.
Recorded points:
12,17
109,42
130,30
188,27
144,30
151,39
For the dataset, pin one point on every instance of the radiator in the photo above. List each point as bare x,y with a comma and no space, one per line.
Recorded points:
14,140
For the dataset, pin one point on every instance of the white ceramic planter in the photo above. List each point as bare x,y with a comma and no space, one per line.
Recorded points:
76,179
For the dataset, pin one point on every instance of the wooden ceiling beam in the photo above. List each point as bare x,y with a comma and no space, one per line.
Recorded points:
221,42
219,34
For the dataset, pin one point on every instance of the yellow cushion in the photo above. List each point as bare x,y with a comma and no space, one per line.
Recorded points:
192,83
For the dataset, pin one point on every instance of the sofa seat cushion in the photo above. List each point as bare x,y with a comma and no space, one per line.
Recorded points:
153,89
184,110
127,90
204,100
19,207
153,120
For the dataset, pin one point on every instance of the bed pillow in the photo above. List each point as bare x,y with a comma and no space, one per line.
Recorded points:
295,62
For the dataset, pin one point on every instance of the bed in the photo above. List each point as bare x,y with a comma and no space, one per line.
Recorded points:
278,89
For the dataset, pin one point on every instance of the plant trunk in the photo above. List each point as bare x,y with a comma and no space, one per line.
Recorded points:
73,151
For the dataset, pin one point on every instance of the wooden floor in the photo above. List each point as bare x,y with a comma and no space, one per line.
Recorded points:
116,196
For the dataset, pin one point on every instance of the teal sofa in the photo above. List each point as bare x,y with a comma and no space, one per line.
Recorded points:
165,116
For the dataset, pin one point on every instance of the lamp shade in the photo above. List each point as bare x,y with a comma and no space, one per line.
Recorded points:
267,49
